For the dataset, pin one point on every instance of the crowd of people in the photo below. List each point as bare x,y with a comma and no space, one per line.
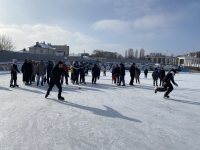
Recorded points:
55,75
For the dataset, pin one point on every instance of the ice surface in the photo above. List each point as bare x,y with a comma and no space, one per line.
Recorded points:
101,116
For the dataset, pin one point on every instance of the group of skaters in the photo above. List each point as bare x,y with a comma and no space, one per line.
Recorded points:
56,74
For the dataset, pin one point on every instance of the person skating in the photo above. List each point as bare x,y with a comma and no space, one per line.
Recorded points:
145,73
167,86
117,72
155,76
82,73
49,69
137,75
41,71
99,71
132,73
162,75
14,72
55,79
104,71
23,72
76,70
95,73
72,74
65,67
34,71
122,74
28,70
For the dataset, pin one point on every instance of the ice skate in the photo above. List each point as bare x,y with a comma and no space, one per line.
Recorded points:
61,98
166,96
155,90
11,86
46,95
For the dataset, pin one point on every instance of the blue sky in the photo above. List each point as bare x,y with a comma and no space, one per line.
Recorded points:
110,25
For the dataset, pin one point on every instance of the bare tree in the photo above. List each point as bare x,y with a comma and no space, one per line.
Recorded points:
6,43
130,53
142,54
136,54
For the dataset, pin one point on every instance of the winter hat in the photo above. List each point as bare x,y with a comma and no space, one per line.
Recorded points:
133,63
14,60
60,62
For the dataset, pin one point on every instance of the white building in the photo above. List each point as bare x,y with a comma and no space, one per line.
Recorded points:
42,48
189,61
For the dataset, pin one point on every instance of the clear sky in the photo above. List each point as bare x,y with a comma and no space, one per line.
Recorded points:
110,25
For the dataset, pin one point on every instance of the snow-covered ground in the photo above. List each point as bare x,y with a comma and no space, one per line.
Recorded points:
101,116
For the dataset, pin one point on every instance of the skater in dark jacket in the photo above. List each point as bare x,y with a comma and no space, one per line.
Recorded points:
56,76
14,72
65,67
132,73
49,69
155,76
146,72
28,70
122,74
22,70
137,74
167,84
117,72
76,70
95,73
161,75
82,73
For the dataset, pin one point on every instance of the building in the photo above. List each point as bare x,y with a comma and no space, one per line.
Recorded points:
162,60
61,49
42,48
189,61
100,59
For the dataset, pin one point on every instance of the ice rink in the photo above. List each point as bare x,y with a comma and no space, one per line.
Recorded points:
100,117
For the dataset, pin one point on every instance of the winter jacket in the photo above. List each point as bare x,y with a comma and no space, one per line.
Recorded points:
117,71
104,69
95,71
82,69
132,71
41,69
14,69
34,69
113,70
65,67
71,69
49,69
170,76
162,74
155,75
76,69
122,71
27,68
57,73
137,73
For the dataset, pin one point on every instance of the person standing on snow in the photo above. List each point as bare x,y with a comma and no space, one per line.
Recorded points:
14,72
49,69
113,74
132,73
122,74
23,71
28,70
76,70
167,84
65,67
55,79
145,73
155,76
162,75
95,73
72,74
82,73
104,71
117,72
137,75
41,71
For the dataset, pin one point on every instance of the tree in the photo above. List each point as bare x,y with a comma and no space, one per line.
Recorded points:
136,54
130,53
6,43
142,54
126,54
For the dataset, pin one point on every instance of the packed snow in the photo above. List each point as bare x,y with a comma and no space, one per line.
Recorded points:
100,117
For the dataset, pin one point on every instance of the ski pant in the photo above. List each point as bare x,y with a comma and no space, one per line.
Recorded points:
33,78
117,79
76,77
167,87
114,78
145,75
38,79
28,77
48,79
155,81
72,76
104,73
94,79
132,80
66,79
82,77
51,85
13,78
161,82
138,80
122,79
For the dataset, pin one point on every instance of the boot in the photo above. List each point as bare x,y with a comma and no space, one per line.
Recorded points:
61,98
11,85
166,95
155,90
47,94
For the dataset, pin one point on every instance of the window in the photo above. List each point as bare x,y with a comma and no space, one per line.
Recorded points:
41,51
